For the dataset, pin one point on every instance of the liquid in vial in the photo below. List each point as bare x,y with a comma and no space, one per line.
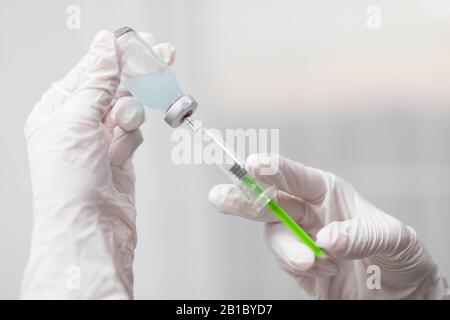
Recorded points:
157,90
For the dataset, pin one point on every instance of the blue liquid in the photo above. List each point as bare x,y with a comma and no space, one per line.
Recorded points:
158,90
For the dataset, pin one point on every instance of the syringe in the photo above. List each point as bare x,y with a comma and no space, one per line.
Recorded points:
235,169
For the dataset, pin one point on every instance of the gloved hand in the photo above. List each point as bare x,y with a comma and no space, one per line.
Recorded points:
369,254
80,140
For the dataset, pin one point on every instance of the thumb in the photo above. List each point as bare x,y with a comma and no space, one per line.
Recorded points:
100,78
364,236
127,113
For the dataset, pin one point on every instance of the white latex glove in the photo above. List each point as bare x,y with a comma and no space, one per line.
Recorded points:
358,237
80,139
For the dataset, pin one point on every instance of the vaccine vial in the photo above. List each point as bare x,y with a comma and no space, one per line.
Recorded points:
151,81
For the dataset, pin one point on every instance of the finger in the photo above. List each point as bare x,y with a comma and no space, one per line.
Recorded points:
128,113
165,52
99,81
288,176
123,145
63,88
230,199
59,91
365,236
295,257
337,237
138,54
288,250
148,38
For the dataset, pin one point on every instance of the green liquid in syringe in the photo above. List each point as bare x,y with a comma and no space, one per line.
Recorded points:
284,217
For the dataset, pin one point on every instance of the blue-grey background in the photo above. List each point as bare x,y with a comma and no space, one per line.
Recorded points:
371,106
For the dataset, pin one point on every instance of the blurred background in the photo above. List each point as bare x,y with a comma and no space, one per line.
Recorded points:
371,105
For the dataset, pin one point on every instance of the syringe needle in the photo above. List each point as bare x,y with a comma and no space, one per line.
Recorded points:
190,123
206,134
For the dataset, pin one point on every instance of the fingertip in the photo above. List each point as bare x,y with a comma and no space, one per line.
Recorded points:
262,164
219,196
213,196
104,41
334,238
300,257
254,160
128,113
148,38
166,52
230,199
103,37
98,76
288,249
